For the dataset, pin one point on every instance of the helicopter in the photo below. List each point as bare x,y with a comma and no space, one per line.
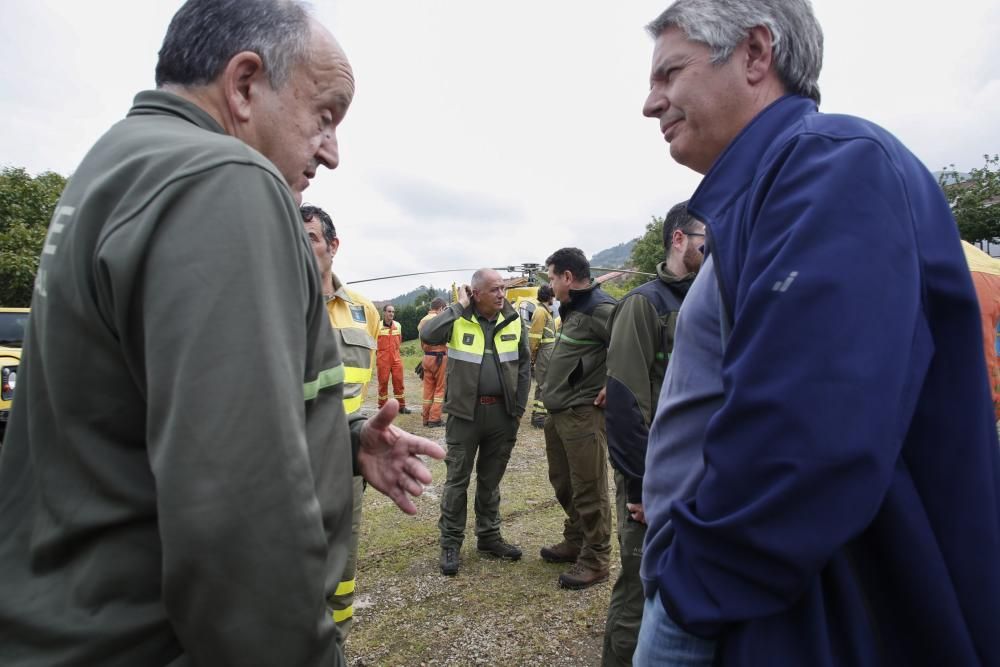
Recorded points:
521,291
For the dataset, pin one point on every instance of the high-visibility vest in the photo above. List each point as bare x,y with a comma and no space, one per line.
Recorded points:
355,319
468,343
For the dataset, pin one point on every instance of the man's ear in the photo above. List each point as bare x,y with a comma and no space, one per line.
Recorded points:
242,74
677,239
759,54
334,247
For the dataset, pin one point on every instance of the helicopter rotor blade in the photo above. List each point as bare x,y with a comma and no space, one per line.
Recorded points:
405,275
512,268
638,273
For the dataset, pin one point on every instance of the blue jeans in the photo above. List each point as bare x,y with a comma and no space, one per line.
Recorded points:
662,643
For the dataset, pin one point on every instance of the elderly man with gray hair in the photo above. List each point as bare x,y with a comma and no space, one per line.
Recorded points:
488,378
823,480
177,471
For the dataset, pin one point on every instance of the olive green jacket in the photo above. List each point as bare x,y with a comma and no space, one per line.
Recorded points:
642,338
176,477
577,368
461,389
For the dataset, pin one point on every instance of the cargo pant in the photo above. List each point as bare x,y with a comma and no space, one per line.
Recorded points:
577,451
541,364
627,597
491,434
435,366
342,601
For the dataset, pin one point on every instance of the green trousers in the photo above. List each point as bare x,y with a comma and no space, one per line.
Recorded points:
577,451
627,598
541,364
483,445
342,601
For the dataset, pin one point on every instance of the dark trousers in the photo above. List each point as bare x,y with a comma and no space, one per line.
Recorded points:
483,445
577,451
627,598
342,601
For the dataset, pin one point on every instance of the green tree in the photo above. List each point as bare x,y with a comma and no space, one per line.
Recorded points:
408,316
975,201
647,252
423,301
26,206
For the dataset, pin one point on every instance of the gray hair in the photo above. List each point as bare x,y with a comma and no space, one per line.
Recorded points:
204,35
480,277
796,38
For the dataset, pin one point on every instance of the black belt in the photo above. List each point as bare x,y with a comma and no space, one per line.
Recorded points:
436,354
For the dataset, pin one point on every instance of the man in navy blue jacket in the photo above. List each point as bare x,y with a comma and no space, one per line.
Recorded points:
823,478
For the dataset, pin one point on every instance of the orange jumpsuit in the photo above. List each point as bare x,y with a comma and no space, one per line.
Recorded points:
435,363
389,362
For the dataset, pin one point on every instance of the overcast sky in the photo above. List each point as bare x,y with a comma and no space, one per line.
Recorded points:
489,134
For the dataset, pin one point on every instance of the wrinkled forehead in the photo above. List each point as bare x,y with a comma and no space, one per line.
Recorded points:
674,44
326,74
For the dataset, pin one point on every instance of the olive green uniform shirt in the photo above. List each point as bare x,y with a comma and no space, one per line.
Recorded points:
577,366
176,481
463,378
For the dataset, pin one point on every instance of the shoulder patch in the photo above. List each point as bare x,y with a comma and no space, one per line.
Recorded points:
358,313
468,338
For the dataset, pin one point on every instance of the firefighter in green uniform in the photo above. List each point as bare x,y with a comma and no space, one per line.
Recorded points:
541,338
193,506
488,380
355,321
642,338
575,444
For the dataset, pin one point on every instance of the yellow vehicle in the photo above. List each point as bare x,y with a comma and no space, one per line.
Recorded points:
12,321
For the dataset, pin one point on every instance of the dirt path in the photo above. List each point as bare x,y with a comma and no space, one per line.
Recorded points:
493,612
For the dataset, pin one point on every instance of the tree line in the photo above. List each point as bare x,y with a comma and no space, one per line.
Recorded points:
28,202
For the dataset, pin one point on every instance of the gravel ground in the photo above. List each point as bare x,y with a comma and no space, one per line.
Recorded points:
493,612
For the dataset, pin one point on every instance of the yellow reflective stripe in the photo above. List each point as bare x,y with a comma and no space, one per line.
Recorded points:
328,378
355,375
345,587
534,335
462,355
341,615
549,340
353,404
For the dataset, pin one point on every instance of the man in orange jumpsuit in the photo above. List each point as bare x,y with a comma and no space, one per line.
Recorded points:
434,364
390,337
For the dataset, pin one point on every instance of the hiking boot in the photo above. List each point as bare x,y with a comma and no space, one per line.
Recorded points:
580,576
501,549
449,561
564,552
434,424
405,410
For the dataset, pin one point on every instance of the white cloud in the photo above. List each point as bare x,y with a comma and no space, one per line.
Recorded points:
491,134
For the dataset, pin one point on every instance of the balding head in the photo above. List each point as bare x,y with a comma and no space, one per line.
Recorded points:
487,292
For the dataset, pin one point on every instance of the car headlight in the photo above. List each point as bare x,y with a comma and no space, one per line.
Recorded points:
9,382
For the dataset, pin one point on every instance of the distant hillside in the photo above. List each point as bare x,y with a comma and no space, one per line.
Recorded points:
950,178
614,258
411,296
